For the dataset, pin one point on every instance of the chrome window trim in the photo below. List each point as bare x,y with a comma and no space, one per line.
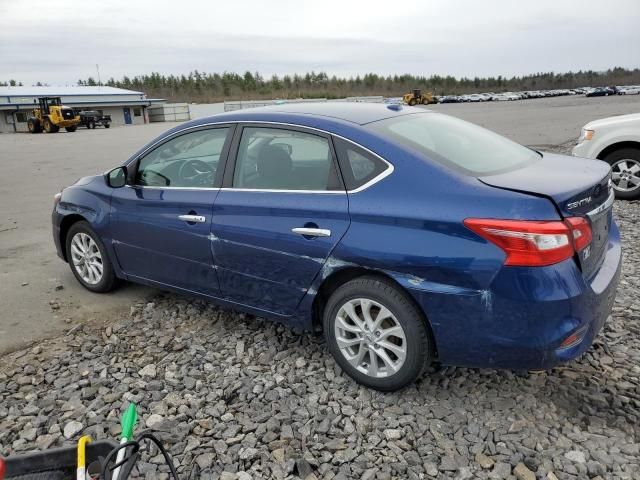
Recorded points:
153,187
275,190
388,171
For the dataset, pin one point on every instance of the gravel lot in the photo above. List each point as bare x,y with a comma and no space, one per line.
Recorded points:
244,398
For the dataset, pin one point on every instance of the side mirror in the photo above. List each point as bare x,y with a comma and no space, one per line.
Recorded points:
117,177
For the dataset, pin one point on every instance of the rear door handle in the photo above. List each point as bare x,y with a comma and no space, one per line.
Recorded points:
312,232
192,218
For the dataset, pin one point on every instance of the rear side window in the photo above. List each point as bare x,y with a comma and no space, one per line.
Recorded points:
281,159
455,143
358,166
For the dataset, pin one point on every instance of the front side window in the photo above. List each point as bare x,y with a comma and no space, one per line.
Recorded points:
189,160
279,159
455,143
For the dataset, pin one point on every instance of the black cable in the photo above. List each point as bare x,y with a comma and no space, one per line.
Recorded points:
165,454
113,453
128,462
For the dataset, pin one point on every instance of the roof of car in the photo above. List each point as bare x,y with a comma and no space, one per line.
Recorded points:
354,112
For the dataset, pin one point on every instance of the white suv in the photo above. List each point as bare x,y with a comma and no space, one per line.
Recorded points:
616,140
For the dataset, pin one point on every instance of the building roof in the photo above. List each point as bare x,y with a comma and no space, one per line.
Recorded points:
63,91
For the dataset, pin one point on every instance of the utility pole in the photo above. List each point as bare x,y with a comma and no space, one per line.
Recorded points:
98,70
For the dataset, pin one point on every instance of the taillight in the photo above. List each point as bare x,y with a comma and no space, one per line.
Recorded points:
581,232
534,243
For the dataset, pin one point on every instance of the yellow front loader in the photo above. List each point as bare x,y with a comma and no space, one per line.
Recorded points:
416,97
50,115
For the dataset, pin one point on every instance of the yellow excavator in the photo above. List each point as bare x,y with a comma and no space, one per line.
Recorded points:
50,115
416,97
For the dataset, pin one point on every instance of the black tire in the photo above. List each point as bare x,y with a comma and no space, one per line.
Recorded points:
34,125
91,124
108,280
106,125
419,344
48,126
71,129
412,102
628,153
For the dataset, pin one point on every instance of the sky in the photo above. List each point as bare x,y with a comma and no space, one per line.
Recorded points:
60,42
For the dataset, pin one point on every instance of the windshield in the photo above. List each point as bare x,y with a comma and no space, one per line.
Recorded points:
455,143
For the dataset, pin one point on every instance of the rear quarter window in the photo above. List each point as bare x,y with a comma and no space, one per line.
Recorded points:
358,166
457,144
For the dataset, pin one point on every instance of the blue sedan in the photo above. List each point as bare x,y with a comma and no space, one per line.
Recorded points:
406,236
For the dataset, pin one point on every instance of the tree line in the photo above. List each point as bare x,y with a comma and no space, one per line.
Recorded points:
205,87
211,87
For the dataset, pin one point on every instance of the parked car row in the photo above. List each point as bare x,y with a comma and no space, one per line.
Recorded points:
512,96
629,90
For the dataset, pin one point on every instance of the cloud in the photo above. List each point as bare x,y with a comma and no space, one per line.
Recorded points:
61,42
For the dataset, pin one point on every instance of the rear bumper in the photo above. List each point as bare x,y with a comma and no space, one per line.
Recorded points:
522,320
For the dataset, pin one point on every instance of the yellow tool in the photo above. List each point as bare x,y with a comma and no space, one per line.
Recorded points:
81,471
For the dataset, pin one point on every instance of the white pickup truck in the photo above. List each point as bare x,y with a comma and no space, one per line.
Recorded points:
616,140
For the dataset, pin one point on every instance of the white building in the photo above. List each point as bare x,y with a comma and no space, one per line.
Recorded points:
125,106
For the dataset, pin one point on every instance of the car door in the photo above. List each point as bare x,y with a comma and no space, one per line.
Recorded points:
282,210
161,221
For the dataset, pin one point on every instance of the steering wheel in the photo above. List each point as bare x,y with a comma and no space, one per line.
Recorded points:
196,172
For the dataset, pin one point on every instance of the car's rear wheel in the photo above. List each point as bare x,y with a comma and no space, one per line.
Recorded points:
625,172
377,334
88,259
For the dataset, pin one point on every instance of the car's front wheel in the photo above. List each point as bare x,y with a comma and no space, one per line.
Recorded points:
377,334
625,172
88,259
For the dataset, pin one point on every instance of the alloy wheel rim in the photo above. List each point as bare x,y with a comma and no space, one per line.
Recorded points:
625,175
86,258
370,337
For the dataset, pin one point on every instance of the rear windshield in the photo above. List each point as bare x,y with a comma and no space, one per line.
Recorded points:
455,143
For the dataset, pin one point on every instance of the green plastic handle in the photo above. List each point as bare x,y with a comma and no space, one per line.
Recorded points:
128,421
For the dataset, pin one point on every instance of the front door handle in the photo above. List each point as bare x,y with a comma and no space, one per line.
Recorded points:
312,232
192,218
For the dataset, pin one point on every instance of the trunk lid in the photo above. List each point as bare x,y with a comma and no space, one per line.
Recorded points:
577,187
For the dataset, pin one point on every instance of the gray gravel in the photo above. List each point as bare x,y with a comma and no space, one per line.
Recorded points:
244,398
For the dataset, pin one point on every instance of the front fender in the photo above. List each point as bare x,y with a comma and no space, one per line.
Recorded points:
612,138
89,199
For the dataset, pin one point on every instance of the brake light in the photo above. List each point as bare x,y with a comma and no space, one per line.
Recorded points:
581,232
534,243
